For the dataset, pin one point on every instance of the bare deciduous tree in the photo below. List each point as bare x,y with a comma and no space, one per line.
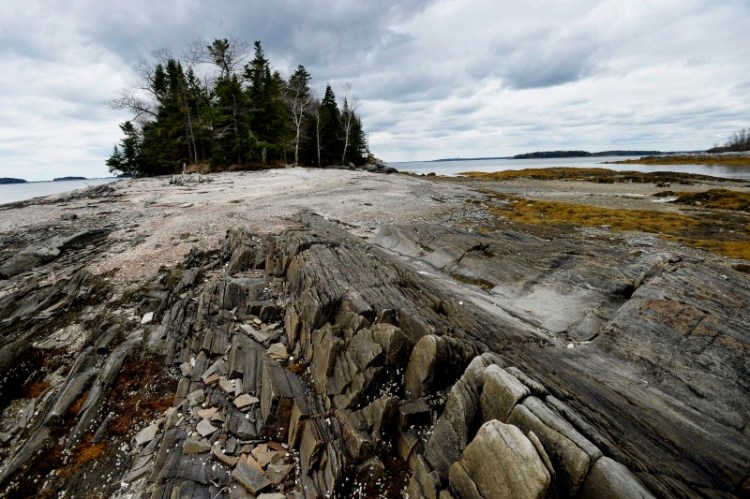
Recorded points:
227,55
315,113
351,103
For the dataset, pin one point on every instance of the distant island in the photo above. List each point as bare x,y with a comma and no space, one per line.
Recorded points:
441,160
64,179
6,180
583,154
557,154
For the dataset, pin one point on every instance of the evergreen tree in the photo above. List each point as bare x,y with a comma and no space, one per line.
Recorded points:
126,158
230,122
227,117
330,129
267,111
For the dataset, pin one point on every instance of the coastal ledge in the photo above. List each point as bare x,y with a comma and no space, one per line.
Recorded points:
725,159
371,349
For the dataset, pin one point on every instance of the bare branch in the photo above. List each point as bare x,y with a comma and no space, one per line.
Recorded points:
129,100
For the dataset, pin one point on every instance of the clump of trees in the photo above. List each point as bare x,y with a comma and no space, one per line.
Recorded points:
214,108
738,142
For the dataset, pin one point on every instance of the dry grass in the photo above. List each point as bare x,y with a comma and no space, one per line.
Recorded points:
88,452
76,406
551,212
722,199
596,175
142,391
732,249
35,388
688,160
724,236
543,174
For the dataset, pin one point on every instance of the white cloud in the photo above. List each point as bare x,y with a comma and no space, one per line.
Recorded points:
437,78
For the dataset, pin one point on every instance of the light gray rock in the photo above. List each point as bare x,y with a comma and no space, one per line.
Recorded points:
205,428
435,363
610,479
571,463
501,392
147,434
196,397
219,367
452,431
421,367
171,417
499,462
245,401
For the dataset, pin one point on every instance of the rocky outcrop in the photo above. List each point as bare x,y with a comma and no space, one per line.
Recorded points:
430,360
48,250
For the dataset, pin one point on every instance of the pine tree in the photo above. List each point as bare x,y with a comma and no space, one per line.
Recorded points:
126,158
267,112
330,128
228,116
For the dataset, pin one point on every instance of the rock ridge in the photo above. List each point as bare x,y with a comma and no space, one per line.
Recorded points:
429,360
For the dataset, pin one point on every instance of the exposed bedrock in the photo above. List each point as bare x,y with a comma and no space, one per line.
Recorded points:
624,365
430,360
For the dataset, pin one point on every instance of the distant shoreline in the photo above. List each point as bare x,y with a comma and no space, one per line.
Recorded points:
560,154
688,159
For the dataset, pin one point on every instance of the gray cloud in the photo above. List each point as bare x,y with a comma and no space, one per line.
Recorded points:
437,78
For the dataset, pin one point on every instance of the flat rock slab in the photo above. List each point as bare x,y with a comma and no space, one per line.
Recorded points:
196,446
245,401
147,434
250,478
205,428
278,351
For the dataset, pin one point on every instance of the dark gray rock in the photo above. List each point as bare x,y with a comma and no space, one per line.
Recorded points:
250,478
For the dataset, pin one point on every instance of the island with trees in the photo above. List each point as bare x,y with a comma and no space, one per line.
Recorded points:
8,180
65,179
212,111
582,154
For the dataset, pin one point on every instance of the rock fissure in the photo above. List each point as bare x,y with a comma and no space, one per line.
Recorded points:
313,363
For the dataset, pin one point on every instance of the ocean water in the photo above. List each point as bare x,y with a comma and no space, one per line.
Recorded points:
10,193
452,168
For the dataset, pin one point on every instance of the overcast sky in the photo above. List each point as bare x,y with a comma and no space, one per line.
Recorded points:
442,78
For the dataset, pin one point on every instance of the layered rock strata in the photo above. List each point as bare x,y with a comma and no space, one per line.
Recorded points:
430,361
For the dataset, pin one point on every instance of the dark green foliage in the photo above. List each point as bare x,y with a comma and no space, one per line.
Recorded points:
231,117
126,157
331,134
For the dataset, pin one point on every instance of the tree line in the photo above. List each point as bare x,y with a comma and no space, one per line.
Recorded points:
739,141
233,114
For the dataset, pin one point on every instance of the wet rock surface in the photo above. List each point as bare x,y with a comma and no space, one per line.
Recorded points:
430,360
